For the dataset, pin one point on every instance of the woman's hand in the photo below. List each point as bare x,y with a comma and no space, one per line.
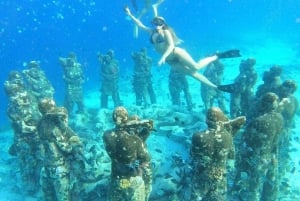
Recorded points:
162,61
127,10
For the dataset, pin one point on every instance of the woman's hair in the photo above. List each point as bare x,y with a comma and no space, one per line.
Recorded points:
176,39
158,20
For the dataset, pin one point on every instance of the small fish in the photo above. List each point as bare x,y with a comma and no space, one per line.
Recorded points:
167,176
174,181
293,170
158,150
285,184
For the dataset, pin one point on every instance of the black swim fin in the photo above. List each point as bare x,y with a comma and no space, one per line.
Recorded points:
229,54
230,88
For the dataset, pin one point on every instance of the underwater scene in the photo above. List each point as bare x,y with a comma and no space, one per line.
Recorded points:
150,100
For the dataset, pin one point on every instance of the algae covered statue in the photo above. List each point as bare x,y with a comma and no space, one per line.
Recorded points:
74,79
241,91
210,151
37,81
109,75
131,175
257,160
214,72
142,83
61,147
23,114
271,81
286,93
178,83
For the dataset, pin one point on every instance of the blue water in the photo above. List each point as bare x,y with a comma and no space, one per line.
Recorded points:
45,30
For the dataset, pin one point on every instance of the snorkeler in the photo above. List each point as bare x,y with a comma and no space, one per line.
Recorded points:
143,11
165,42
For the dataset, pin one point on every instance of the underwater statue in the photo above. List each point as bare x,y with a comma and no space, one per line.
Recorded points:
142,83
109,75
24,116
210,151
257,157
178,83
131,174
61,149
74,79
210,96
37,82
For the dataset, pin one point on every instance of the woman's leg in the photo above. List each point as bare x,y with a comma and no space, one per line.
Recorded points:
205,61
198,76
186,59
193,73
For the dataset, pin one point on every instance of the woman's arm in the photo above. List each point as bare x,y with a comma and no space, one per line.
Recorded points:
171,45
137,21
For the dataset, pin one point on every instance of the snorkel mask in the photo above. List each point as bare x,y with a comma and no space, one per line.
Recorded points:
158,21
